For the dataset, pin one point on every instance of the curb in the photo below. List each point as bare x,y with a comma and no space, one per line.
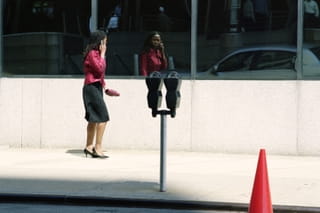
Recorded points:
142,203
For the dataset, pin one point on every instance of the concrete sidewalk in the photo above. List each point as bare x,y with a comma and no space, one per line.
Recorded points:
135,174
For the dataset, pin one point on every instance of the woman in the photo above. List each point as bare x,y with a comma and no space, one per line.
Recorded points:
152,57
94,67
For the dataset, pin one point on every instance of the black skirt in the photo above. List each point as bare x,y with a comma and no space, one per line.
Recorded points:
95,107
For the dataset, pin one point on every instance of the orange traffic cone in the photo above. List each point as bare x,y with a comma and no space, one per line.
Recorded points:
260,198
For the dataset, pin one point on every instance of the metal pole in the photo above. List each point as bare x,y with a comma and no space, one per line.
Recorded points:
234,7
300,40
94,15
163,152
194,22
171,63
1,37
136,64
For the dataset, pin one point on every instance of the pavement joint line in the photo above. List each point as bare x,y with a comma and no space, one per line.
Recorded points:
142,203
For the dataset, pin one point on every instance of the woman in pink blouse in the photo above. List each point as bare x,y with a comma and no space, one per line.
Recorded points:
96,112
152,57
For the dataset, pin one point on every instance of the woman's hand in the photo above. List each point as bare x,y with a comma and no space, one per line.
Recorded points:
103,48
112,92
161,46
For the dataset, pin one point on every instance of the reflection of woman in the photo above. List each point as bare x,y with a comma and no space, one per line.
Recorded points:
311,13
248,15
152,57
94,66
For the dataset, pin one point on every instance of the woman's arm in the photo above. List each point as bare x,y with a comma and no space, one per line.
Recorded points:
164,64
164,61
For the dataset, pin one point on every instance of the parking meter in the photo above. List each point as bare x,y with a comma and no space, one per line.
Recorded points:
154,83
173,83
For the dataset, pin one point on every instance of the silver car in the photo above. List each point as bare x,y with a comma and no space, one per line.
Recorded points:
265,62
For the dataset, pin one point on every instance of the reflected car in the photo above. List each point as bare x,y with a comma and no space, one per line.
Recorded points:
265,62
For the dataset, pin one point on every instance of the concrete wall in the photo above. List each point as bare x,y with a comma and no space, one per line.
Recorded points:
216,116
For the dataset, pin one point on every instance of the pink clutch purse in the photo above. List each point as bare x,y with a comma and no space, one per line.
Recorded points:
112,92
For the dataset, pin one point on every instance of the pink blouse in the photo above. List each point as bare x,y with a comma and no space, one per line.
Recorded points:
94,68
152,61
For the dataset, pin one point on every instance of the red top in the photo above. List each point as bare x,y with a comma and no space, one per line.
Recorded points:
94,68
152,61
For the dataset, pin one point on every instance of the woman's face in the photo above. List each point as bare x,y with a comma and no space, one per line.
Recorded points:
156,40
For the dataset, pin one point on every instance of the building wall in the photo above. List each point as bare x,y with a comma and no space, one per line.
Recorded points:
214,116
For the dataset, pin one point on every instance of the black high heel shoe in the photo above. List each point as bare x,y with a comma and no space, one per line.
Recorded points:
87,152
98,155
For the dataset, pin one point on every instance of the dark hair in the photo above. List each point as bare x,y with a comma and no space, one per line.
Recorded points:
147,42
94,41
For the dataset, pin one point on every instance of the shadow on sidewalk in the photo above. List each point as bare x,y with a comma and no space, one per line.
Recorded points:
113,193
98,193
78,187
75,152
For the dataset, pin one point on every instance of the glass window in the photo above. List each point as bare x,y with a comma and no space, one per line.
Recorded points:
274,60
45,37
252,63
311,43
241,61
316,51
233,26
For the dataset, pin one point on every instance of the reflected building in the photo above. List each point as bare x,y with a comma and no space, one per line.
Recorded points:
221,28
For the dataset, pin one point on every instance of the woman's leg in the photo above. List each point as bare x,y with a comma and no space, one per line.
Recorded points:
99,135
91,130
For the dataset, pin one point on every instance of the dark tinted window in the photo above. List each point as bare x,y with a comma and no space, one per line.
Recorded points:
316,51
274,60
241,61
48,36
228,25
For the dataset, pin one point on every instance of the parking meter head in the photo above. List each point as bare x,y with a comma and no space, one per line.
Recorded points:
173,74
155,74
173,83
154,83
